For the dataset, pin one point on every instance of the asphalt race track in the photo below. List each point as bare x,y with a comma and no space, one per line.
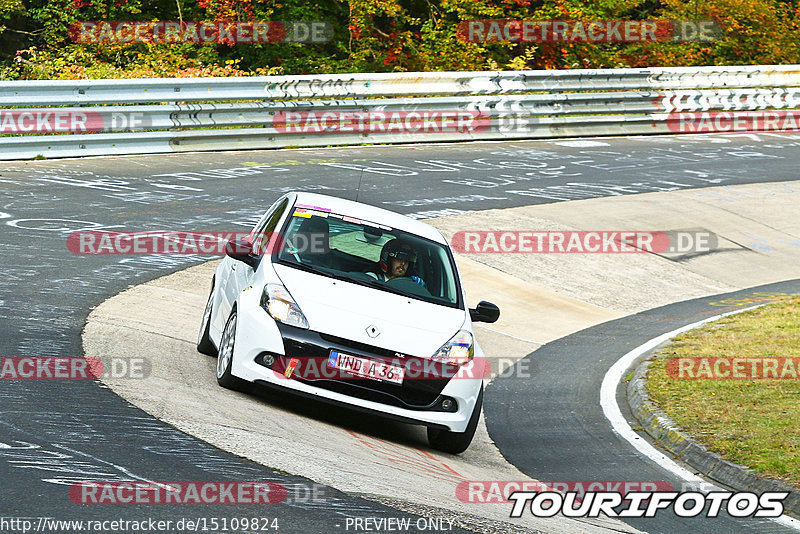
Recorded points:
54,433
545,430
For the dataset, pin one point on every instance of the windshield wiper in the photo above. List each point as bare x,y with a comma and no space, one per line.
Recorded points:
343,277
305,267
322,271
382,286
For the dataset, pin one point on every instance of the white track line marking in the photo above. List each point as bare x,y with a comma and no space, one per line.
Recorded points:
608,401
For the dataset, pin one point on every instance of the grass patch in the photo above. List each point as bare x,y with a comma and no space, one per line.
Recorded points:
753,422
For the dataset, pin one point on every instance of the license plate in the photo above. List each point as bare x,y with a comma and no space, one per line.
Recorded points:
367,368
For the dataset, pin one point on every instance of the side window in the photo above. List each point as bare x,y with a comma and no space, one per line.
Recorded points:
259,227
261,236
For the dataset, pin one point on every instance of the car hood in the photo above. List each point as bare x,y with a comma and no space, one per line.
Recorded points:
347,310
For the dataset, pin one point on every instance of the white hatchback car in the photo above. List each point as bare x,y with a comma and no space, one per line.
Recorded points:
353,305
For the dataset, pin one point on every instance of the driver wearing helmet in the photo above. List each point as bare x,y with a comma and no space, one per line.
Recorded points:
397,260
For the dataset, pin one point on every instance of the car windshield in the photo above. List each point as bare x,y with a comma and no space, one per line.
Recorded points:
370,254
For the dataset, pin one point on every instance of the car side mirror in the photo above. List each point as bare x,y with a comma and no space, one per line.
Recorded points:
242,250
484,312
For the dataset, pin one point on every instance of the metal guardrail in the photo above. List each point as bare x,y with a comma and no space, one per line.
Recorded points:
194,114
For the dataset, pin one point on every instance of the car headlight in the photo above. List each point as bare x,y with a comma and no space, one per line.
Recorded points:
458,351
280,305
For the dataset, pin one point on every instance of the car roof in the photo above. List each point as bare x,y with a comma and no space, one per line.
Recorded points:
369,213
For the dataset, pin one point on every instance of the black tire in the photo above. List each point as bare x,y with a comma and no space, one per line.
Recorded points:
204,344
457,442
225,358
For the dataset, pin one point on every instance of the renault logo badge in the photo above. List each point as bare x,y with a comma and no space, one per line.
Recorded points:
372,331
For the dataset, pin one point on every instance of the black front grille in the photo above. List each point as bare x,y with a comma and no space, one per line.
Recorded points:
356,345
421,392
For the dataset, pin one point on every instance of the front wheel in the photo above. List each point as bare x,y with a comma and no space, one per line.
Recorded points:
457,442
225,358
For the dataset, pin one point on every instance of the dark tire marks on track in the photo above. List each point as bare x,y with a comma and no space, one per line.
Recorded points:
55,432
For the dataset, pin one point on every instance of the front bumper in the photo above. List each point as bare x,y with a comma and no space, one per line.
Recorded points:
424,392
418,400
